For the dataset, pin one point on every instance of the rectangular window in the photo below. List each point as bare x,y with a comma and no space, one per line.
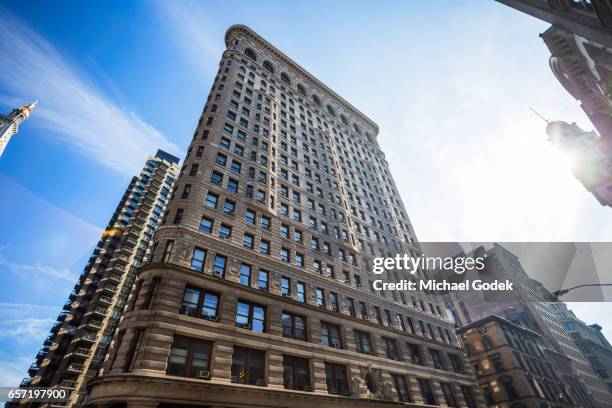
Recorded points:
296,373
468,395
284,255
294,326
206,225
350,304
449,394
168,250
333,301
335,377
251,316
248,366
178,216
200,303
330,335
189,357
401,387
250,217
247,241
216,177
437,359
426,391
245,275
456,363
299,260
301,292
263,280
284,231
415,354
229,207
320,295
264,247
211,200
285,286
225,231
362,342
197,259
390,347
219,265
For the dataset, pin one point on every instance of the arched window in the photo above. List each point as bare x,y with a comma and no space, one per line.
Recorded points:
268,66
285,78
343,119
301,89
356,128
330,110
316,100
251,54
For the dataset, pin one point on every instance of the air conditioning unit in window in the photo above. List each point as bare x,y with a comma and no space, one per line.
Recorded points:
218,274
260,382
226,237
211,318
285,294
307,388
204,375
232,212
242,325
335,344
234,378
358,285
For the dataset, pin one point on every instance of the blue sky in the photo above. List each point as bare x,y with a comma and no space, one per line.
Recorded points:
449,83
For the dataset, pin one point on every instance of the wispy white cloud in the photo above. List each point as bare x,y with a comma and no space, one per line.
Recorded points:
13,370
23,326
193,31
37,269
70,103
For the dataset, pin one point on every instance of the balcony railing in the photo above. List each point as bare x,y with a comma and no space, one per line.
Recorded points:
76,367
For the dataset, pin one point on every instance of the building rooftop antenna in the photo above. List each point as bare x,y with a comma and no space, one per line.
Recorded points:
539,116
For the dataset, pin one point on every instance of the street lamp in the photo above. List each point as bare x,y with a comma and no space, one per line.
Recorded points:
562,292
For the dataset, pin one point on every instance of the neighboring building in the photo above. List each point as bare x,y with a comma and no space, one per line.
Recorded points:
9,124
259,290
589,164
513,365
79,340
584,68
590,340
591,19
580,43
528,305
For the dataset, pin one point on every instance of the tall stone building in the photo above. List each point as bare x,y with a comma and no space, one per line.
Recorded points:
591,342
259,289
589,162
74,351
9,124
531,306
591,19
514,366
584,68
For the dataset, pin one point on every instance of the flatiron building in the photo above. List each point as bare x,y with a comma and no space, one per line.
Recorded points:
259,289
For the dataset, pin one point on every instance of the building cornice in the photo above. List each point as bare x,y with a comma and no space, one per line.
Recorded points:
246,31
